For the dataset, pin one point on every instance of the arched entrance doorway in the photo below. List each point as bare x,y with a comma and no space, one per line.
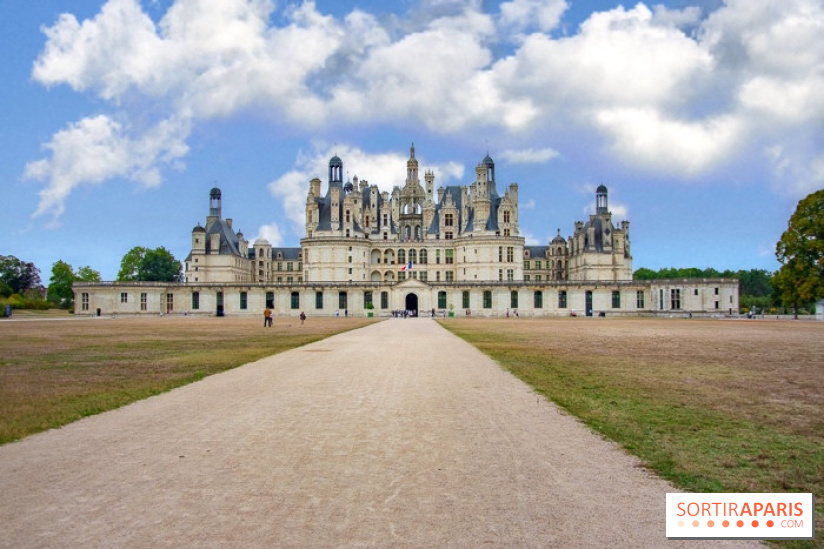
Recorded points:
412,304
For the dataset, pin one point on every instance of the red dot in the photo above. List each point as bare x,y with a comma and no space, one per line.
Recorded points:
710,523
770,524
740,523
725,523
754,523
695,523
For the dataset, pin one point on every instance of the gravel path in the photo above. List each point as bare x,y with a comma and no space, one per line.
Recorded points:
397,434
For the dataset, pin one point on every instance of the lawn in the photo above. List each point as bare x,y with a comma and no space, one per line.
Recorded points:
711,405
56,370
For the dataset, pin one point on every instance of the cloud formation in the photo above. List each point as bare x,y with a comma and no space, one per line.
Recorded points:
663,90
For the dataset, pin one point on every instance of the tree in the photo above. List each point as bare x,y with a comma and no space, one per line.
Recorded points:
130,264
19,275
801,253
150,265
60,284
159,265
87,274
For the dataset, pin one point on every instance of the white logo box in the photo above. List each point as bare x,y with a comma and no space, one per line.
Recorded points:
740,516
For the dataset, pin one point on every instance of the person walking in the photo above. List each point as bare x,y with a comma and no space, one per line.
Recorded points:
267,317
302,318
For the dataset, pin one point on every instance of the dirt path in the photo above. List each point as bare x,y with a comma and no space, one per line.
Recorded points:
395,434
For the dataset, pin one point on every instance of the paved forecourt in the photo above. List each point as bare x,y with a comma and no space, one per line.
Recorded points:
395,434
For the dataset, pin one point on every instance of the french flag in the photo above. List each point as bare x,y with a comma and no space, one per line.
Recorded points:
407,267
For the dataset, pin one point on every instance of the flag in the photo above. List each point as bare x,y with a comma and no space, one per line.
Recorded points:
407,267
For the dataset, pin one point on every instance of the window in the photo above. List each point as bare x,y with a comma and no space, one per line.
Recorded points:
537,278
195,301
527,278
500,275
538,265
510,274
367,299
384,300
348,216
450,276
244,300
465,297
437,276
270,299
562,299
675,299
441,300
448,220
438,256
696,292
170,303
401,257
506,216
616,299
716,291
506,232
413,256
538,299
716,304
513,299
526,265
124,297
280,266
401,276
639,299
342,301
143,305
289,265
318,300
447,235
424,276
449,256
487,299
422,259
295,298
500,254
84,301
510,254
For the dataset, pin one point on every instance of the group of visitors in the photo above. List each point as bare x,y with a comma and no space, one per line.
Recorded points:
404,313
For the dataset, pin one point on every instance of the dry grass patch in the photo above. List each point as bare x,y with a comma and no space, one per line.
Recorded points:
712,405
53,372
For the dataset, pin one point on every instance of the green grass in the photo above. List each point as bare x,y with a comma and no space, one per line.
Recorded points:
705,424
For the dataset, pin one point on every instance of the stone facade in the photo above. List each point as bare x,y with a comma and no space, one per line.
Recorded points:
456,248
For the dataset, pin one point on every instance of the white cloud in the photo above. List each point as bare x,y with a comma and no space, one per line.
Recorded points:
527,14
529,238
662,98
271,233
797,172
529,156
96,149
646,138
528,205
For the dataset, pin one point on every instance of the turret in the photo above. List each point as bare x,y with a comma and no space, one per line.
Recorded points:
601,206
214,206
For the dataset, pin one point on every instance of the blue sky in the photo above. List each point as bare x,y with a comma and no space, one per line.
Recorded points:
703,118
